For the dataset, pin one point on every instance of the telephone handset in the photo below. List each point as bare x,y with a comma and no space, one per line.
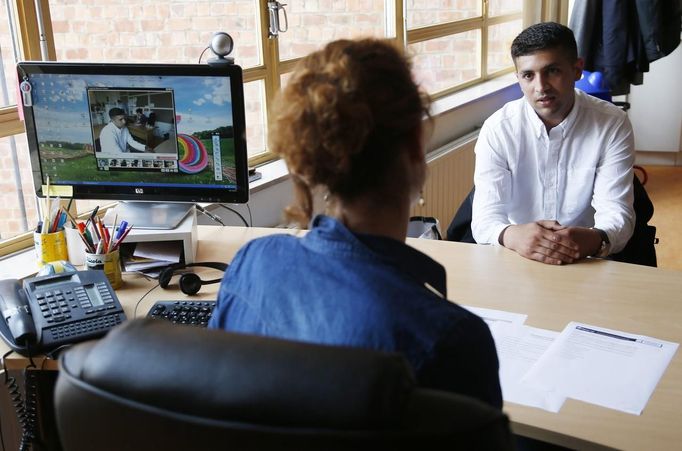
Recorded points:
58,309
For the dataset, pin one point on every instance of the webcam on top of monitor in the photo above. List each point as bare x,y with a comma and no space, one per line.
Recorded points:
221,45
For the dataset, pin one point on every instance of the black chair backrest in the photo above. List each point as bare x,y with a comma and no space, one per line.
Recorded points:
460,227
640,249
152,385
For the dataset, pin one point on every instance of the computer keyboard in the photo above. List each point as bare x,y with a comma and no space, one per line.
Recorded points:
193,313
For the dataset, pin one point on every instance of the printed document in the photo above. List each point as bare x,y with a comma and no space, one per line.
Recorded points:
492,316
601,366
518,348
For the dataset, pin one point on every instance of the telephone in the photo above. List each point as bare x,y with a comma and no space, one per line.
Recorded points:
58,309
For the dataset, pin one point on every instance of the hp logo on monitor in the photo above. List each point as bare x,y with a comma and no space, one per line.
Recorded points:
139,191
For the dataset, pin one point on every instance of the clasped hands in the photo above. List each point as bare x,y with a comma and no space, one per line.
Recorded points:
549,242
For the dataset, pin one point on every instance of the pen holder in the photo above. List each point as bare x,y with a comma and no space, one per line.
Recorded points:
76,246
50,247
110,263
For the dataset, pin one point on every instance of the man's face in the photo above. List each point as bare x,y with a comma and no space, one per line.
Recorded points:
547,79
119,121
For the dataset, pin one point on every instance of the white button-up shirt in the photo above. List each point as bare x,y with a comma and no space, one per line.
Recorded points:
579,174
114,139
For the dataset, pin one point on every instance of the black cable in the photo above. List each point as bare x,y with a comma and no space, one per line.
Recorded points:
29,422
209,214
54,354
24,406
237,213
4,370
144,296
248,207
202,54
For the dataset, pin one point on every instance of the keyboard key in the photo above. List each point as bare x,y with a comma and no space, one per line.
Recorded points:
194,313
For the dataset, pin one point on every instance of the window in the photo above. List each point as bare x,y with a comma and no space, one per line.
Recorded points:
454,44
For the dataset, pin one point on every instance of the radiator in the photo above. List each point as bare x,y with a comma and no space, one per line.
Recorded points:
450,178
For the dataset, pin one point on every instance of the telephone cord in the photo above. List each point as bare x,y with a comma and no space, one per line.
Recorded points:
24,406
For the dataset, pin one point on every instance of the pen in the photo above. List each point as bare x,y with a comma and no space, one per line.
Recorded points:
121,230
120,240
119,234
62,220
73,221
92,216
55,223
88,245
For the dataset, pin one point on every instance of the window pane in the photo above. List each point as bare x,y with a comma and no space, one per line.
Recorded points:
284,79
18,208
421,13
446,62
153,30
499,7
314,22
7,66
254,93
500,38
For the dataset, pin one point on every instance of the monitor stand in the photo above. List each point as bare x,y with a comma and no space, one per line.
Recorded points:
152,215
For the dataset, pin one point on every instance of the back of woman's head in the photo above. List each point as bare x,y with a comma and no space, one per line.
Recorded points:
345,115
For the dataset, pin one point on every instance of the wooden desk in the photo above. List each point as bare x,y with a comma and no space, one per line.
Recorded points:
626,297
143,133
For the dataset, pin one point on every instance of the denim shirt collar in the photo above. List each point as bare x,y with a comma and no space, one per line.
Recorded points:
328,235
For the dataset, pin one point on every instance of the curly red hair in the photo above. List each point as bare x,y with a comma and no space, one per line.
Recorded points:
344,116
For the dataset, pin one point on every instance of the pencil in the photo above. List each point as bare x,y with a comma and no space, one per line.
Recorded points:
72,219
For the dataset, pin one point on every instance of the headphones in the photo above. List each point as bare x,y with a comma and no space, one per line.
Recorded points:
190,283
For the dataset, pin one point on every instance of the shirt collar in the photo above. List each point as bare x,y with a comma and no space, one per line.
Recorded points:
329,235
538,126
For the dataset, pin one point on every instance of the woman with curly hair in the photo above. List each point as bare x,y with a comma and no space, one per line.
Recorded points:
349,126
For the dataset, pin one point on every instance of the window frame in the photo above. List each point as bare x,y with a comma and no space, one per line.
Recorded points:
271,69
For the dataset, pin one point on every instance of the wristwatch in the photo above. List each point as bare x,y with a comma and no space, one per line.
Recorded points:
605,246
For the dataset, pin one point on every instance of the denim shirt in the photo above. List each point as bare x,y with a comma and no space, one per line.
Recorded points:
334,287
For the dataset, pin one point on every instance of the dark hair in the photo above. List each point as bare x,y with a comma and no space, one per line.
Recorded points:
139,110
116,112
545,36
343,118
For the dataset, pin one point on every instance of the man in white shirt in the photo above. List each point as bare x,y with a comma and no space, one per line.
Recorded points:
115,136
553,170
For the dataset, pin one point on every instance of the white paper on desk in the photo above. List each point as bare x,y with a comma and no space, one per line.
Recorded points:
518,348
163,251
601,366
492,316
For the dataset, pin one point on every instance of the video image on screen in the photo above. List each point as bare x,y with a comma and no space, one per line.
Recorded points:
137,130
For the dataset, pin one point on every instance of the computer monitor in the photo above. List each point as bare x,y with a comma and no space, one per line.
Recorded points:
159,133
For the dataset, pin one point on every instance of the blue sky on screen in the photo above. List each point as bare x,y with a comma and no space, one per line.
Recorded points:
61,108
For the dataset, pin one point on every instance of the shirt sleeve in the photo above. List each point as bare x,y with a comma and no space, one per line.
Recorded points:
613,195
107,140
493,182
465,362
132,143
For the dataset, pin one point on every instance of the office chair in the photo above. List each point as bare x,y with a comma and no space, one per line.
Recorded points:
152,385
460,227
639,250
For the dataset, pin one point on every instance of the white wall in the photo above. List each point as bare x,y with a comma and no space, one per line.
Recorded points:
656,106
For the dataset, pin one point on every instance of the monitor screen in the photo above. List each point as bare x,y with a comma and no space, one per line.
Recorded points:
146,132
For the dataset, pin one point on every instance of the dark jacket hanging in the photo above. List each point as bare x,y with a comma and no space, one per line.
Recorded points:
620,37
